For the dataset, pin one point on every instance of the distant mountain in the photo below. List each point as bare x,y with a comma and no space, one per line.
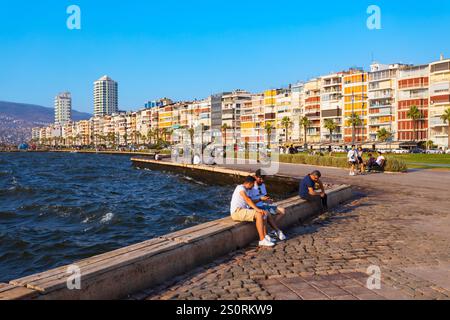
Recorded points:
17,119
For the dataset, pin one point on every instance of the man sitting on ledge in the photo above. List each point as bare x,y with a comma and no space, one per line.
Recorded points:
308,193
243,209
262,200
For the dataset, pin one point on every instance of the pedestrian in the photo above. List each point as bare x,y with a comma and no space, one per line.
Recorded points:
352,158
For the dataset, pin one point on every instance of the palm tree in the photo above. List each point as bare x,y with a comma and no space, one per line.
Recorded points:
354,121
305,123
125,138
414,114
331,126
150,134
429,144
224,129
383,135
191,132
111,137
286,123
446,118
268,128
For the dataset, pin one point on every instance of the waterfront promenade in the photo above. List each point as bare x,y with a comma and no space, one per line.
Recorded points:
398,222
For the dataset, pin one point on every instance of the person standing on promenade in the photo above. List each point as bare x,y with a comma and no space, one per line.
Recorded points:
361,163
243,209
352,157
260,197
308,190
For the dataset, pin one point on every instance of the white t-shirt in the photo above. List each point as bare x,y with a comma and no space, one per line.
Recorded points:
352,155
380,160
237,201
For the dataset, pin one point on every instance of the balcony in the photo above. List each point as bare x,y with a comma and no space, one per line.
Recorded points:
437,122
387,94
410,96
441,99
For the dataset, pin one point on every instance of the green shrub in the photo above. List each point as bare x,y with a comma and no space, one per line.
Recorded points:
287,158
392,165
298,158
395,165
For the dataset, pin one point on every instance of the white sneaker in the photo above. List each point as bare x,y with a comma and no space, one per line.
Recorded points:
281,235
273,234
269,238
266,243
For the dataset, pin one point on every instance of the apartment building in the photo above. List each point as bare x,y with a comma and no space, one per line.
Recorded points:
331,106
355,105
297,105
106,96
231,114
382,99
63,108
283,108
312,109
439,101
252,122
413,90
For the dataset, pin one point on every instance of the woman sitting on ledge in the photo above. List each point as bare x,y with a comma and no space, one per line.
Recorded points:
243,209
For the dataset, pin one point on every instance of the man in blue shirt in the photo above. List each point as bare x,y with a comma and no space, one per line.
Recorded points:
308,190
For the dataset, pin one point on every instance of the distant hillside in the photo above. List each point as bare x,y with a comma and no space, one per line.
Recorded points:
17,119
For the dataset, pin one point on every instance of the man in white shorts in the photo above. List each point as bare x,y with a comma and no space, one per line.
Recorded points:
243,209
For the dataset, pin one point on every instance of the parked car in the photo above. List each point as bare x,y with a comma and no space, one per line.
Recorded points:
417,151
448,151
435,151
400,151
338,150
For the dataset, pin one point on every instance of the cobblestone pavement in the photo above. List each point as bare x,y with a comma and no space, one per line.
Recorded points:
399,223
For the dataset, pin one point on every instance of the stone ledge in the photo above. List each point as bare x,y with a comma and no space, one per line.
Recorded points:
119,273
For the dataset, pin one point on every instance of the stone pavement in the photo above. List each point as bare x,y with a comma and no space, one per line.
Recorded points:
400,223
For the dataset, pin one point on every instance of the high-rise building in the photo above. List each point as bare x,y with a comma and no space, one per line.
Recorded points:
439,101
63,108
105,96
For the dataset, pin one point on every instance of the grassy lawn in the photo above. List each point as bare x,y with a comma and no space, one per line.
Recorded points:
417,161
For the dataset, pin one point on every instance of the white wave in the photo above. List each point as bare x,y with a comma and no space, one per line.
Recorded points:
107,217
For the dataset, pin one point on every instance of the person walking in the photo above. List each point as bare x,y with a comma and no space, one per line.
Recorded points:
352,158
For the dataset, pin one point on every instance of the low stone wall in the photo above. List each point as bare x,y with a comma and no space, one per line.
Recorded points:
280,187
117,274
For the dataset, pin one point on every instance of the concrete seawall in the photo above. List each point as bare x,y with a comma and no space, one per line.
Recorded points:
281,187
117,274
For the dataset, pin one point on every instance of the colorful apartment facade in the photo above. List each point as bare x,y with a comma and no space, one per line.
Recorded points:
439,101
360,104
413,90
355,85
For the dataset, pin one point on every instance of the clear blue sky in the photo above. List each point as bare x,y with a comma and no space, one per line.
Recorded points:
192,48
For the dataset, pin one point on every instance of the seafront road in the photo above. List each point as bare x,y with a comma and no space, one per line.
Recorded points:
397,222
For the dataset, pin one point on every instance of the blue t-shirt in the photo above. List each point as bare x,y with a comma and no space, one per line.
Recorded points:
305,184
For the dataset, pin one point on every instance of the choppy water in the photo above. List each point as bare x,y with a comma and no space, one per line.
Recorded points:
58,208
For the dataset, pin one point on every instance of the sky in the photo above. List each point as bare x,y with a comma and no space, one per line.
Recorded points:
190,49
